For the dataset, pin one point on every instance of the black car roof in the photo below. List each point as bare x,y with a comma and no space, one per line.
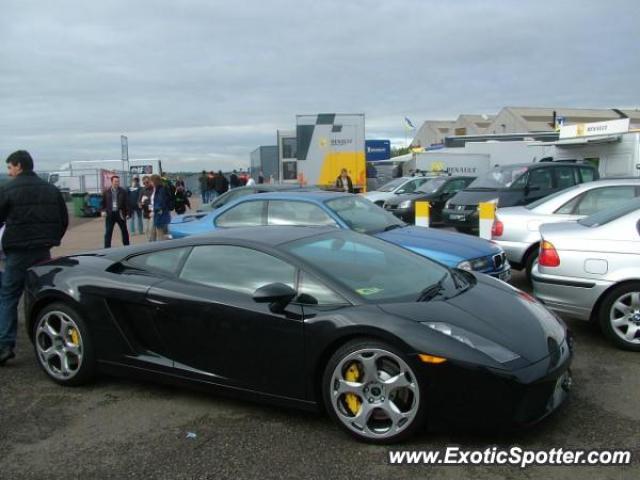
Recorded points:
269,236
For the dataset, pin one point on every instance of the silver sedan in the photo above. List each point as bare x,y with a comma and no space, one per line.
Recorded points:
590,269
516,229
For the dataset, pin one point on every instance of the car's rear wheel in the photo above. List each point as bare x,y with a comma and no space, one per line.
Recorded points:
619,316
371,391
63,345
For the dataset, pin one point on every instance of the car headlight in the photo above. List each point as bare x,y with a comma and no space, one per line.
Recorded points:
405,204
492,349
465,265
447,204
481,263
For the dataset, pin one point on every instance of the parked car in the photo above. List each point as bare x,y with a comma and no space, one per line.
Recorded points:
314,318
513,185
590,269
236,193
397,186
352,212
516,229
436,191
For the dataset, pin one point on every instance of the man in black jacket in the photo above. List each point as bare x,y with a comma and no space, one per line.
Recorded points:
115,207
36,219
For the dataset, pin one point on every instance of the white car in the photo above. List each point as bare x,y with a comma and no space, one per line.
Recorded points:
590,269
517,229
397,186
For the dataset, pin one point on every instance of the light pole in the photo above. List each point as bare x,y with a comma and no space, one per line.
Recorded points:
124,143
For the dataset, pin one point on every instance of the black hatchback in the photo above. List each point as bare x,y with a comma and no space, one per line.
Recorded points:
513,185
436,191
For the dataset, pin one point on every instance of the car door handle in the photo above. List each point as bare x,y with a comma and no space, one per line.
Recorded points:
156,302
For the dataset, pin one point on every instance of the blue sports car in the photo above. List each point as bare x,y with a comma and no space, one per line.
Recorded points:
344,210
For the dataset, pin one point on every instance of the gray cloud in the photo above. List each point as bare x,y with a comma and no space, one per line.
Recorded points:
206,82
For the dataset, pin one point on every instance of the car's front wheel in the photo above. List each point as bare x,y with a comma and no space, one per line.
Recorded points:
63,345
619,316
371,391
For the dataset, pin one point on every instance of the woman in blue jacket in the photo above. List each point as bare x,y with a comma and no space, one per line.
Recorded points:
161,201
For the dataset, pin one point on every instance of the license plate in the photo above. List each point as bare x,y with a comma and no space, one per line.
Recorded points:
456,216
505,276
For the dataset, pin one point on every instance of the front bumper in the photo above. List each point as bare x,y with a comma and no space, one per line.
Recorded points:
480,397
571,296
466,218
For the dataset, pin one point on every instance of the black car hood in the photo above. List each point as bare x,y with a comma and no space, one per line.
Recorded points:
506,198
495,311
398,199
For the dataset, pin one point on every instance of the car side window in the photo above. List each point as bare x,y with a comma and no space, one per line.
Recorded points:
520,182
411,186
604,198
540,179
313,291
240,269
167,261
565,177
588,174
283,212
243,215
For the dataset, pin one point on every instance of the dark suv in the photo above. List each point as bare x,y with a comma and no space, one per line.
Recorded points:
512,185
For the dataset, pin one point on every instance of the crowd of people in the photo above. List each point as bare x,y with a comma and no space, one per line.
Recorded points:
214,184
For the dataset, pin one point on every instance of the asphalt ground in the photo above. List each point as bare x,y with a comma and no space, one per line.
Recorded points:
117,428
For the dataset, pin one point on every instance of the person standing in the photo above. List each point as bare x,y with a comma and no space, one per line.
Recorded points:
211,187
115,207
135,209
221,185
36,219
181,200
343,182
145,205
250,182
161,209
203,181
234,181
261,177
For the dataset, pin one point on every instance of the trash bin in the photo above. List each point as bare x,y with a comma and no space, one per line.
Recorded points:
78,200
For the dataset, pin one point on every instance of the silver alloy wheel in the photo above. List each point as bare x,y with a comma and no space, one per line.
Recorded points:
625,317
59,345
382,401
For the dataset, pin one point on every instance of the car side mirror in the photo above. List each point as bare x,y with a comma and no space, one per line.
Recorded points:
401,191
278,295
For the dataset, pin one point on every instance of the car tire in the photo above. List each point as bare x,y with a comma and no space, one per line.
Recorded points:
371,378
619,315
63,345
531,260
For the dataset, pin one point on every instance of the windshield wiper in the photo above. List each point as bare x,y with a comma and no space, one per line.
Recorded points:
391,227
432,291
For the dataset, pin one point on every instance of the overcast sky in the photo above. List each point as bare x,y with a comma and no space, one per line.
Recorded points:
200,84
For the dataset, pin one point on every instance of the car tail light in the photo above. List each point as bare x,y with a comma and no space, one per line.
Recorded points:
497,229
548,255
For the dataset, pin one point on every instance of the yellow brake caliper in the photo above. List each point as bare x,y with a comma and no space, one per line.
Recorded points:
352,375
75,338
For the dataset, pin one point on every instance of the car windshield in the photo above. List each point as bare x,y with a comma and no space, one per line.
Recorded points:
431,186
363,216
392,185
502,177
605,216
373,269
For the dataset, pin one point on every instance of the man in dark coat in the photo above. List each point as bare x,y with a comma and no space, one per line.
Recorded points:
115,207
234,180
221,185
36,219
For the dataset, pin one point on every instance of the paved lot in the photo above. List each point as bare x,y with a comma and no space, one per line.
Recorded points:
122,429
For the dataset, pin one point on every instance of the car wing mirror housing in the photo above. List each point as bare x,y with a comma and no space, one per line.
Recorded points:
277,295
